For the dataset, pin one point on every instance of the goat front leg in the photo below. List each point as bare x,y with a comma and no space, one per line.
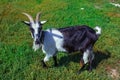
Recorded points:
43,64
55,60
45,60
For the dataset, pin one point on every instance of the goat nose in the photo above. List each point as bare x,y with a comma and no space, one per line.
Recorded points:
37,41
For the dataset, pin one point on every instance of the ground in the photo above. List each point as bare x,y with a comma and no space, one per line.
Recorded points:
19,62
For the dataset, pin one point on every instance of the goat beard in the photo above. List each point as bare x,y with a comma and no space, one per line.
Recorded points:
36,46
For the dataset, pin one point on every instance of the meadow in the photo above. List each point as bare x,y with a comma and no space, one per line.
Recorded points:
18,61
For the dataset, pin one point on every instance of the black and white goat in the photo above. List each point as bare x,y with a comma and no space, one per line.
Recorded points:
69,39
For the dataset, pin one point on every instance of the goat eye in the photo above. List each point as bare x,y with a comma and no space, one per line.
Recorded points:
32,30
39,29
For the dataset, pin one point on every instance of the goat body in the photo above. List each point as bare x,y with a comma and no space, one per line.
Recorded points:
78,38
69,39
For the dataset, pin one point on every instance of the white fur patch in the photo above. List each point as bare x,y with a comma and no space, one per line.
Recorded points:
98,32
116,5
59,39
85,56
36,46
53,42
47,57
35,27
88,56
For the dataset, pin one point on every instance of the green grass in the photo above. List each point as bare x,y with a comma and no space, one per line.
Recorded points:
19,62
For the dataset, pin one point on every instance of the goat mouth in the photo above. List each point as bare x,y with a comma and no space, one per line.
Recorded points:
36,46
37,42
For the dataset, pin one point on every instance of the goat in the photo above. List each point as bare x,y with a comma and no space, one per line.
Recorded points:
69,39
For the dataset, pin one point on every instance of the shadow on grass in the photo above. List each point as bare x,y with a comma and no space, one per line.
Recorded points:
99,56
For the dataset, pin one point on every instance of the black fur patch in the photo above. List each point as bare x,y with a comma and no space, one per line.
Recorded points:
78,38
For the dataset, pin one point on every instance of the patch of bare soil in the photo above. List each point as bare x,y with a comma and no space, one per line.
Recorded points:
113,73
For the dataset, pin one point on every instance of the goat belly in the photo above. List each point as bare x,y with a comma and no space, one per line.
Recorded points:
73,45
77,39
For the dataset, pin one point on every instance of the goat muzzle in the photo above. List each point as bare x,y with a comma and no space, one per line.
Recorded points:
37,42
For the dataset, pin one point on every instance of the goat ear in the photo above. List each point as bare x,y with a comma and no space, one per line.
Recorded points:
26,22
43,22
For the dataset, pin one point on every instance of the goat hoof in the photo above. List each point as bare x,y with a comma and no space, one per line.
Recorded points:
45,67
43,64
79,72
56,65
90,70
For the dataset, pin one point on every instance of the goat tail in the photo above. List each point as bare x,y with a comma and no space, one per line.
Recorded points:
98,30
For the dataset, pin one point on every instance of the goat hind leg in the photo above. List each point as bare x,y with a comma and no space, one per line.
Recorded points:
90,66
82,66
84,61
91,57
